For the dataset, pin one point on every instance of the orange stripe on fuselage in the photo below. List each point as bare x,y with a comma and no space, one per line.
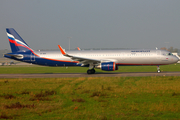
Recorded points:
59,60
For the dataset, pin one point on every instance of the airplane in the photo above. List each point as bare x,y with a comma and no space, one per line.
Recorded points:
107,60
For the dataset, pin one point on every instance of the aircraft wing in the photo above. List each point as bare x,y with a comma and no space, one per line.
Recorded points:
85,60
81,60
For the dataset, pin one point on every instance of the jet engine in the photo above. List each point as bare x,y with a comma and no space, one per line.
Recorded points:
107,66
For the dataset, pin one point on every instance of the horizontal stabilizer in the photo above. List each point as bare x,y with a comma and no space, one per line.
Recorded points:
18,56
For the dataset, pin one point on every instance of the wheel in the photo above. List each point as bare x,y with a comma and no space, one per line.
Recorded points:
93,71
89,72
158,71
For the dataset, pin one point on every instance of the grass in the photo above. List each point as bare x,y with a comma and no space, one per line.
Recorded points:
90,98
29,69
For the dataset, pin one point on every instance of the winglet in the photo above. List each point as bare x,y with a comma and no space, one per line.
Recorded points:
78,48
62,51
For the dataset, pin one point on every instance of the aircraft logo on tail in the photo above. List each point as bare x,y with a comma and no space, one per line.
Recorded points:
16,42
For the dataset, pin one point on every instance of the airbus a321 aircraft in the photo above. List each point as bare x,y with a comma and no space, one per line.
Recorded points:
107,60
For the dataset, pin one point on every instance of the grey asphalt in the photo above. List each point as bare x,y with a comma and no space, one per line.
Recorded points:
64,75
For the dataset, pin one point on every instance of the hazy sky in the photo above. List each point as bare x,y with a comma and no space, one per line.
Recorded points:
44,24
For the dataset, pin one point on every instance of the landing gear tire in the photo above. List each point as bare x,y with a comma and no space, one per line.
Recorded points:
88,71
92,71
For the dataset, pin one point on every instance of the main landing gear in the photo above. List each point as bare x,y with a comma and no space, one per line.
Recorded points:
158,69
91,71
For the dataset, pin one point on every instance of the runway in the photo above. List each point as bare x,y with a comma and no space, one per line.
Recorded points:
65,75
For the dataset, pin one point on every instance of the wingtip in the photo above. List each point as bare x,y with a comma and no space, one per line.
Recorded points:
78,48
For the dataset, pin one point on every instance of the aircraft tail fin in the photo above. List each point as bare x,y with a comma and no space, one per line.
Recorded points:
16,42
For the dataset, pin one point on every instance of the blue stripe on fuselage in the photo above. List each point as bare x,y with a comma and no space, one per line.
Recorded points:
30,58
46,62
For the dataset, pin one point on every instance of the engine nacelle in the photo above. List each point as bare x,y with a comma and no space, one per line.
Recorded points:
107,66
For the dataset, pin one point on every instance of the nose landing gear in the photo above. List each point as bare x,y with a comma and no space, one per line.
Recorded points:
158,69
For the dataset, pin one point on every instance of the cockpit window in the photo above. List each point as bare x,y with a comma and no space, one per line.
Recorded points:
169,54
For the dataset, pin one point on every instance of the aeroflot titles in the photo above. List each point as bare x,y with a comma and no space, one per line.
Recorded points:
141,51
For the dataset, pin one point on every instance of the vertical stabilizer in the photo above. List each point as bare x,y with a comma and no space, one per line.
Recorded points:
16,42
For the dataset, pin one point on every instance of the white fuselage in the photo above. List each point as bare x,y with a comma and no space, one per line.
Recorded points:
120,57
